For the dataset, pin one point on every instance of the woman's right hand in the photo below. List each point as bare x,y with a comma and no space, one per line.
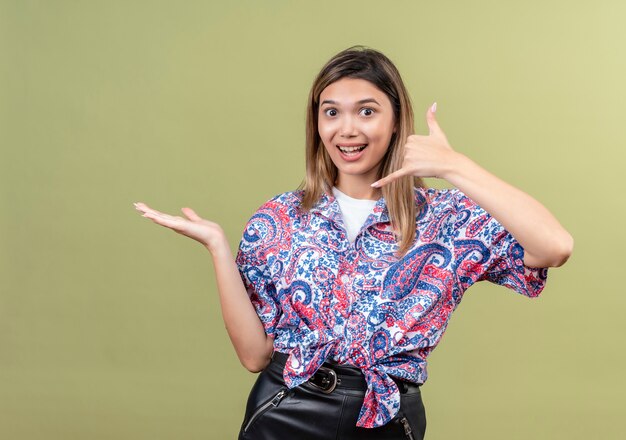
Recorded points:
254,348
208,233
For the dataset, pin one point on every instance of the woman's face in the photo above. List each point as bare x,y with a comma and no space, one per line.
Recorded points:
355,123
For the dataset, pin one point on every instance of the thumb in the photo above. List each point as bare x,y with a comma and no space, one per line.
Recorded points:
191,214
433,125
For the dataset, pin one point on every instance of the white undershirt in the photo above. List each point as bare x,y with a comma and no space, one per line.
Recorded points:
354,211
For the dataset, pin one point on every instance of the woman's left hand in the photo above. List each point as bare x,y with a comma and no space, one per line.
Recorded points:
546,243
424,156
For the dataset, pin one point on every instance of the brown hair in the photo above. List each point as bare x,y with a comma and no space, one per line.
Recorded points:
321,173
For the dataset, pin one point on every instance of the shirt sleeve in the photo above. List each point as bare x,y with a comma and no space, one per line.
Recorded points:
484,250
256,256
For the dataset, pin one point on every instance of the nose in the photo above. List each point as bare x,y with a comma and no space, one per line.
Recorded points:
348,127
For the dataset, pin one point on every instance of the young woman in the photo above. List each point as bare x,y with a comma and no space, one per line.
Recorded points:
341,289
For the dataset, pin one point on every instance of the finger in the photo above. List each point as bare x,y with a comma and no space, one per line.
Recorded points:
389,178
142,207
176,223
139,206
169,217
433,125
191,214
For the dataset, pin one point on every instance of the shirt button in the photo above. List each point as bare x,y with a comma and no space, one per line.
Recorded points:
345,279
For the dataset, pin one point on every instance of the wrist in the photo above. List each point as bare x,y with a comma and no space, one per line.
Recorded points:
219,248
455,166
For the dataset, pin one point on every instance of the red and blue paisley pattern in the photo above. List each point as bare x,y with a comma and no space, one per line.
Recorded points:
322,297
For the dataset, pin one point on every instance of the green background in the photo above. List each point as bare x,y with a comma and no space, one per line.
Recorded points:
110,325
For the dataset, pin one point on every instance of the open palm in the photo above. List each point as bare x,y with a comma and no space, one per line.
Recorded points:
208,233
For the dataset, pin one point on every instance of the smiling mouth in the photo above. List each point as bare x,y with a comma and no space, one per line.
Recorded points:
352,149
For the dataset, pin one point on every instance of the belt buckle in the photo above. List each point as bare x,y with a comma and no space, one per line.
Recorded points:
329,381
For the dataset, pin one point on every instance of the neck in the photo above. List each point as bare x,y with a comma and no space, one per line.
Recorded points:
358,187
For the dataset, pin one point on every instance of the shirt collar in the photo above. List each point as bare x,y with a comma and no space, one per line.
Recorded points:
328,207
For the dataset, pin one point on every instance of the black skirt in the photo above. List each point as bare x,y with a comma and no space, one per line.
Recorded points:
325,407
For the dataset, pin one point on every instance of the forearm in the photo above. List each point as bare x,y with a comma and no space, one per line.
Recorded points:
246,332
546,243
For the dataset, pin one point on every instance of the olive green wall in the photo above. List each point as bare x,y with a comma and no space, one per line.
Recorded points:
110,326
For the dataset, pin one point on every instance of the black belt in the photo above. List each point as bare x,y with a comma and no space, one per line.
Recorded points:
330,376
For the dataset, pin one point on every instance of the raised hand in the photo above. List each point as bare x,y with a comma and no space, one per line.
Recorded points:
424,156
206,232
244,328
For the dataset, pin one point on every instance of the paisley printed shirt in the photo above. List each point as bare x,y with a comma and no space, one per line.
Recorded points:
321,297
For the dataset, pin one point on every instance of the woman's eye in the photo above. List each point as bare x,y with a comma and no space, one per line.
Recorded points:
367,112
330,112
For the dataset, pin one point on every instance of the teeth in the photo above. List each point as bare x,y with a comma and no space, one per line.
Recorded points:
351,149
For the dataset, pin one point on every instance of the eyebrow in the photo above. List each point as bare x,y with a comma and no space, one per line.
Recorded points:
362,101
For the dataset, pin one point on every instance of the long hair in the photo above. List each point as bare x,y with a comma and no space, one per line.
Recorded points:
321,173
